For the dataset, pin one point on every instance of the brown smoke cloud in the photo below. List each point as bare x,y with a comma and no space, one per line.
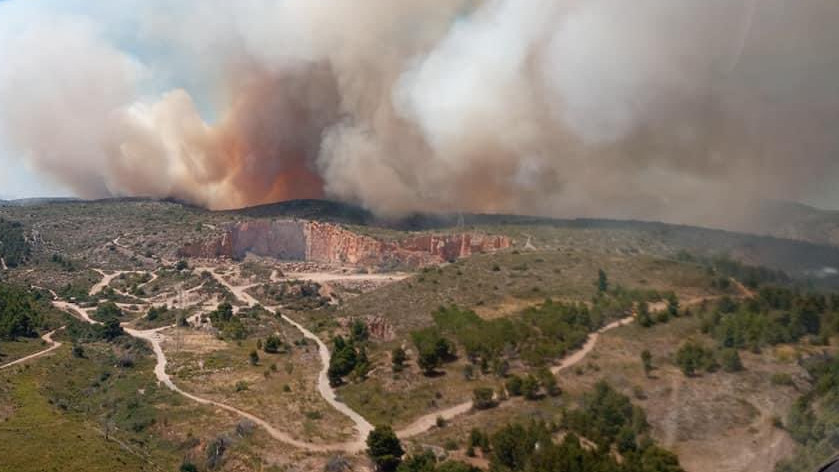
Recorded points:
660,109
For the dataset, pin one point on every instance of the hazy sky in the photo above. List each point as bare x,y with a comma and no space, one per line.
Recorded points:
16,181
680,110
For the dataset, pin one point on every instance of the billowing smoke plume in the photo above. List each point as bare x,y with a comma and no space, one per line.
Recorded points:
682,110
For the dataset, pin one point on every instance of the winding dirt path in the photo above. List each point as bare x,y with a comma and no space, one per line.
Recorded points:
107,279
429,421
591,342
154,337
362,426
47,338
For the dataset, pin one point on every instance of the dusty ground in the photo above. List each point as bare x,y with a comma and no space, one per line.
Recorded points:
715,422
202,365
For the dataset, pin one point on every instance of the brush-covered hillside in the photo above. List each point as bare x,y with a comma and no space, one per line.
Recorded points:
148,335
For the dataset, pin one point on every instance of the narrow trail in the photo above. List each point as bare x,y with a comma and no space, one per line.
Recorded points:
362,426
591,342
154,277
48,339
155,338
75,310
107,279
429,421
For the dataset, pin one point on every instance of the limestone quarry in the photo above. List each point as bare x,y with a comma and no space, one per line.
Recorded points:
300,240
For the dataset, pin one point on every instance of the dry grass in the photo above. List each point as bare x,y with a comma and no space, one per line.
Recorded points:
286,395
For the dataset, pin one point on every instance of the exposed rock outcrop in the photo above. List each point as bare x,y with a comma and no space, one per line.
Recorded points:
332,244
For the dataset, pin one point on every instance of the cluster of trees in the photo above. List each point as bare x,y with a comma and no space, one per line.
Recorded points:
724,268
606,434
387,453
538,336
531,448
228,326
13,246
273,345
751,276
349,356
155,312
433,349
647,319
813,420
109,314
693,357
533,387
397,359
774,316
607,417
19,315
63,262
109,330
296,294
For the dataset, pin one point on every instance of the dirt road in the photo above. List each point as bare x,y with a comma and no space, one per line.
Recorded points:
321,277
362,426
48,339
426,422
584,351
107,279
154,337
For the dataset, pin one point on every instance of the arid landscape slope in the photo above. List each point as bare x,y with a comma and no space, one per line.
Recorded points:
150,335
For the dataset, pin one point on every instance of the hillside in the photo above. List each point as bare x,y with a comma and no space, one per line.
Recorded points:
285,335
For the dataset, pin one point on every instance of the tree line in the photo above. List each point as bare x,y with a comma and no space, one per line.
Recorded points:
19,314
813,420
605,434
13,246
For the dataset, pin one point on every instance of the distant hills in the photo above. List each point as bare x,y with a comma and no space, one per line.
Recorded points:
779,219
791,220
38,201
786,220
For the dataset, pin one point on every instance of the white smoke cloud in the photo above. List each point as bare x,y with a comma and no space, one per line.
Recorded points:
670,109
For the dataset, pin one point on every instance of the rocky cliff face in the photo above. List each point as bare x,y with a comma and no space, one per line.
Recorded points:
333,244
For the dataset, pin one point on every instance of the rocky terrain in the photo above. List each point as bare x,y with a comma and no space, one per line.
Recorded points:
299,240
257,340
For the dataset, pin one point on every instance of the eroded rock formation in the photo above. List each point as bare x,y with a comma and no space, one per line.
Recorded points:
294,240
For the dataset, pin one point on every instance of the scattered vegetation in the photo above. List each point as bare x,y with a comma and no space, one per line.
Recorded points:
384,449
229,327
693,357
433,349
813,420
774,316
19,315
13,246
605,433
348,357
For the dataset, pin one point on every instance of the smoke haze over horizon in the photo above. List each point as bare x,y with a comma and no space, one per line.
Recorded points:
672,110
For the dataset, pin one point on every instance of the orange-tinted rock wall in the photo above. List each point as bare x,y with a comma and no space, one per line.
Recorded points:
333,244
